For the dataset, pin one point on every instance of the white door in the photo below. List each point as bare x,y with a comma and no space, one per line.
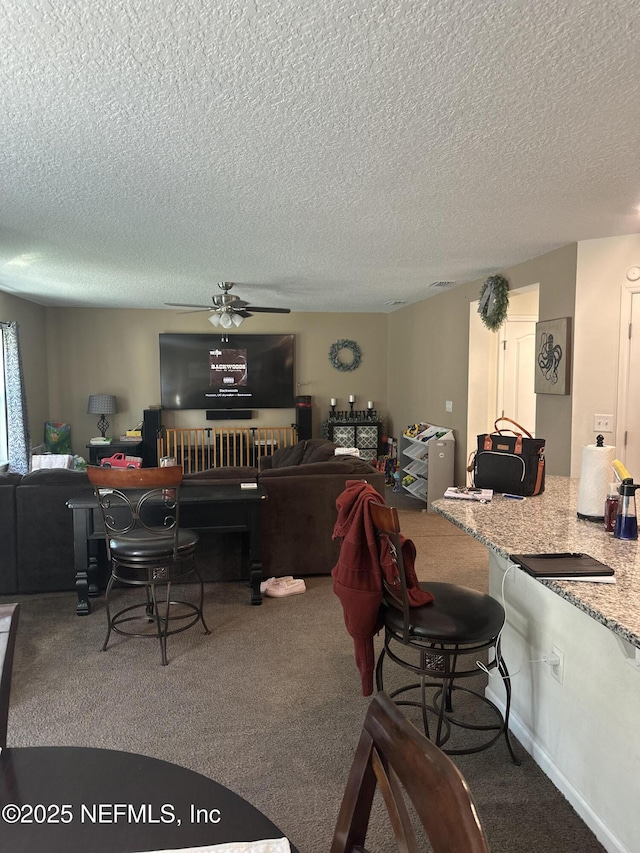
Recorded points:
516,398
628,435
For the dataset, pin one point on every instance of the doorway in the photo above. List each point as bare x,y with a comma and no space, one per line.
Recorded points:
628,419
502,367
516,397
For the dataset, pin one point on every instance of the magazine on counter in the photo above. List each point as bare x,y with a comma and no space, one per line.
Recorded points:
469,494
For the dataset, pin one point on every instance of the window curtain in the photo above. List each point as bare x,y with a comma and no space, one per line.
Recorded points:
18,438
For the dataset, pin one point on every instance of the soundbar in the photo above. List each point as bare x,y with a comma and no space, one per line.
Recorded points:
229,415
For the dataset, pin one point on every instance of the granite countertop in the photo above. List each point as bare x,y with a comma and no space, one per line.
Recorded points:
547,523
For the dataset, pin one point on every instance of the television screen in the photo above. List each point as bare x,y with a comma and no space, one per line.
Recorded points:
245,372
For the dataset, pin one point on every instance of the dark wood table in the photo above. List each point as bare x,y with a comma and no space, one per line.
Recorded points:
225,508
66,799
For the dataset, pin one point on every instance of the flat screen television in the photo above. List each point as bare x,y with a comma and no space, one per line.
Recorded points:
245,372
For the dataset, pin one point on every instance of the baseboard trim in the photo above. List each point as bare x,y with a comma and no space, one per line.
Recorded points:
603,833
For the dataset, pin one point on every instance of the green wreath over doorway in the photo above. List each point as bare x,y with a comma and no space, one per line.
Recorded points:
334,355
494,302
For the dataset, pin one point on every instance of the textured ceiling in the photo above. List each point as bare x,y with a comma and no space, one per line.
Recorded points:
326,155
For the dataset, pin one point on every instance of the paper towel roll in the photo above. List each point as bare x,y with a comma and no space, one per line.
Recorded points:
595,476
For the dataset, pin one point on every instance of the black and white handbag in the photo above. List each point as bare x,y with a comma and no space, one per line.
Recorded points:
510,463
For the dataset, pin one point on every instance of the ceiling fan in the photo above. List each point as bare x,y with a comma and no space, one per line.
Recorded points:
228,309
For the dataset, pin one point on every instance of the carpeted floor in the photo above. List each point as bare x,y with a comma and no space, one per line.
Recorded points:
269,704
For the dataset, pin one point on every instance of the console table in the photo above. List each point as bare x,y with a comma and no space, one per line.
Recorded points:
223,508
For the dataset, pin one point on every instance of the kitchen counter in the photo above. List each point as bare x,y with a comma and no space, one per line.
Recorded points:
578,719
548,523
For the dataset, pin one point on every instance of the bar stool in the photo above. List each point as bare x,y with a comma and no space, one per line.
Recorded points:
440,643
146,547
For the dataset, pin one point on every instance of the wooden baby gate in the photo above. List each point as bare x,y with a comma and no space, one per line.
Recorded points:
214,447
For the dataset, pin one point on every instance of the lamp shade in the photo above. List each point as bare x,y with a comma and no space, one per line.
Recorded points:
102,404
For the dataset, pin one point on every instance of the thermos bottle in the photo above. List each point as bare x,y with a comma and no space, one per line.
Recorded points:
626,519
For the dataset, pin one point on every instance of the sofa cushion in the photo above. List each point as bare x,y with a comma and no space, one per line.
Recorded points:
227,474
340,465
55,477
285,456
318,450
10,478
304,452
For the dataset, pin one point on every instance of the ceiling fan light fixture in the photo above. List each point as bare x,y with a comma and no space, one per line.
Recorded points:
228,309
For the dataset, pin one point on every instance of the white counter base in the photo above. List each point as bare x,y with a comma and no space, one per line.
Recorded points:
585,732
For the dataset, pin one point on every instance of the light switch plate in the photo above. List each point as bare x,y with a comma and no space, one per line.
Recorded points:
603,423
448,405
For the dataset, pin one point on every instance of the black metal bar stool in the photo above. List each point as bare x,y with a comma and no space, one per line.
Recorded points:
147,548
440,644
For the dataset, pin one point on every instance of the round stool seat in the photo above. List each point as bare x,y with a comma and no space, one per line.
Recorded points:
143,545
458,615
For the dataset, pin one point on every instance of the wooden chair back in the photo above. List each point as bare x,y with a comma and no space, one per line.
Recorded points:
387,523
135,478
8,631
395,757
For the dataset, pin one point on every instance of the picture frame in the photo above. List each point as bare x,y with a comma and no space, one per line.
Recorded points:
553,356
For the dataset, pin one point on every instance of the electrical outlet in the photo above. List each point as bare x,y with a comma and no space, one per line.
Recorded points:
448,405
603,423
557,671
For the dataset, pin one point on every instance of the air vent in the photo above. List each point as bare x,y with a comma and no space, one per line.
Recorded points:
396,302
439,285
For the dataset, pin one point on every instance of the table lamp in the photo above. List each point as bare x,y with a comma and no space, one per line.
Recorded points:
102,404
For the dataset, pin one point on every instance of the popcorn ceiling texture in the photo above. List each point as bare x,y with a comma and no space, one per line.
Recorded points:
324,156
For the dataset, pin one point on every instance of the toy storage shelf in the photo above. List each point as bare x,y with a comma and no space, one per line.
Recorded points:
427,456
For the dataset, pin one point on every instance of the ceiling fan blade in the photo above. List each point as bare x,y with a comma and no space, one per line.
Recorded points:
268,310
189,305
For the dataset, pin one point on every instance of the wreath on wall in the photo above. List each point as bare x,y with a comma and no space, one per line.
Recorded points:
494,302
336,349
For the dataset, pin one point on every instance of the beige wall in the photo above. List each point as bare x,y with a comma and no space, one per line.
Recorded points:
31,319
429,357
600,282
555,273
115,351
413,359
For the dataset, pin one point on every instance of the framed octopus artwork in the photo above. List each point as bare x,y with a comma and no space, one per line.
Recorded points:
553,356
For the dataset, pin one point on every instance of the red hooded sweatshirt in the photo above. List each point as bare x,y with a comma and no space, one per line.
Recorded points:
357,576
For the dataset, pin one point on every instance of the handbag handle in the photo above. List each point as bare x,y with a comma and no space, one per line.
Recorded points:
523,430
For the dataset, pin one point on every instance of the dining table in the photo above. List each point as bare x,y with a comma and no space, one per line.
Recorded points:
71,799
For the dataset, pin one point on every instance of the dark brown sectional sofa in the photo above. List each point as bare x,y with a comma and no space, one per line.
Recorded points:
300,511
301,482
